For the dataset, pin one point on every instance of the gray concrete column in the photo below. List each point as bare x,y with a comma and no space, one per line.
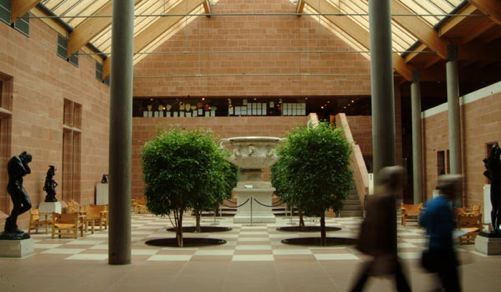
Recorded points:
453,111
383,104
119,246
417,154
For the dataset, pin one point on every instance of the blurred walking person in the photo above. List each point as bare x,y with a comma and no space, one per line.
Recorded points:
438,219
378,232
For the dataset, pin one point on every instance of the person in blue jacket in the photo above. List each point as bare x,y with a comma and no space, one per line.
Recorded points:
438,219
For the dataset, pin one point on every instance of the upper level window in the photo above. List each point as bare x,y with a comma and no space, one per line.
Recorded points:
22,24
62,50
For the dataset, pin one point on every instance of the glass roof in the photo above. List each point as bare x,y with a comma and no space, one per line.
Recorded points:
431,11
73,8
102,41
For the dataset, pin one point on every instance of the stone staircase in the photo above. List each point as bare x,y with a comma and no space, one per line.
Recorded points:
351,206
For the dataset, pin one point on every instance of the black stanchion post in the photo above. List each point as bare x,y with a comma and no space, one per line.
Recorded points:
252,200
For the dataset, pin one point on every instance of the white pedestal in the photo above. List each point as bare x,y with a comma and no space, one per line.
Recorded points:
487,205
488,245
16,248
252,211
101,194
50,207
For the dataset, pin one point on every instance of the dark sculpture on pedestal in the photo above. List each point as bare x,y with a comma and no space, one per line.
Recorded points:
17,168
50,185
493,173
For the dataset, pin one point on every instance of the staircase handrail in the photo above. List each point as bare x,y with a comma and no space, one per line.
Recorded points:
357,163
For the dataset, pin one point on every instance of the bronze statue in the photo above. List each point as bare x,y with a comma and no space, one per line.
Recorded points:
493,173
17,167
50,185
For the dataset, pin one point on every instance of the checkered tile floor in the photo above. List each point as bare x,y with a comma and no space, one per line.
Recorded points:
259,242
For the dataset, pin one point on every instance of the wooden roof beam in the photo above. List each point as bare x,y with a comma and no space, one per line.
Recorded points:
491,8
91,27
300,7
416,52
357,32
106,68
207,8
456,20
21,7
479,30
419,28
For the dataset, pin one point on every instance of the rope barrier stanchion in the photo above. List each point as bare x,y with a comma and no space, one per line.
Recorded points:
269,206
252,199
237,206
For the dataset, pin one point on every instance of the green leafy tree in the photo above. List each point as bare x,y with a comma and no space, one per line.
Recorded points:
313,171
282,186
223,180
182,170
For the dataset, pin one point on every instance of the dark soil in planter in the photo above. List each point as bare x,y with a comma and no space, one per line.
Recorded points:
188,242
307,228
203,229
315,241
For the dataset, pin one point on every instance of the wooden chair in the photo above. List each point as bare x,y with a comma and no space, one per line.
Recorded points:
37,219
69,222
34,220
410,211
73,207
468,219
96,214
139,206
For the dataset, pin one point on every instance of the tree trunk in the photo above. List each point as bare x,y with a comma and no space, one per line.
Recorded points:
301,219
323,236
197,216
179,232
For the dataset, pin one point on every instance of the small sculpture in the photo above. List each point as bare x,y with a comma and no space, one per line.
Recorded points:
104,179
17,167
493,173
50,185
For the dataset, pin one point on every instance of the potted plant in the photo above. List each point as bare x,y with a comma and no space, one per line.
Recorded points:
313,171
181,170
223,180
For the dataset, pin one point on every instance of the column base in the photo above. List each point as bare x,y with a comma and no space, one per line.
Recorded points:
246,219
488,244
16,248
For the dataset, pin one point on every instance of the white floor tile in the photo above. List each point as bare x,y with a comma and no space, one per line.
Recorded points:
292,252
214,252
140,232
253,239
88,257
406,245
252,257
253,247
253,233
139,252
166,258
100,246
340,256
63,251
97,235
46,245
85,242
409,255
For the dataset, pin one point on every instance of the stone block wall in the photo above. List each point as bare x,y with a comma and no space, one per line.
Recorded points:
40,82
266,65
481,125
